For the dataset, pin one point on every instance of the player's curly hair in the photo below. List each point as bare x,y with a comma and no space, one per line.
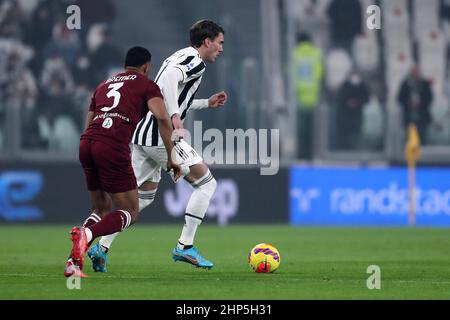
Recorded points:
202,30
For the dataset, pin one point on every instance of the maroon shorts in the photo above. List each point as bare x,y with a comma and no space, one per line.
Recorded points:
106,168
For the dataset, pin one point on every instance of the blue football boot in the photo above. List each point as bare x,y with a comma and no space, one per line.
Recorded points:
98,257
191,256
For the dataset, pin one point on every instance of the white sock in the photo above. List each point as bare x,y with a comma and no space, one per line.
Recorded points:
146,198
196,209
88,234
188,232
106,241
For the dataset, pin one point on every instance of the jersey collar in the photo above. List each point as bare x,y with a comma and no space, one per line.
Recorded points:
195,52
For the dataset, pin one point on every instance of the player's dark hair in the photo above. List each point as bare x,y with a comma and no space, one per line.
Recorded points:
137,56
202,30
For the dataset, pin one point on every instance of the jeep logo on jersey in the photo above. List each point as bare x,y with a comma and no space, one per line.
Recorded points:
107,123
223,205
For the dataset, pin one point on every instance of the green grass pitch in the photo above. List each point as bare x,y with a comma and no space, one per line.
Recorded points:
316,263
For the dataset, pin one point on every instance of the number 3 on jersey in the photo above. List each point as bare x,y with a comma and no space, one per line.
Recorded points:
113,93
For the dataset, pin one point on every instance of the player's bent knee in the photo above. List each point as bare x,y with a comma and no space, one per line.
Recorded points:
207,187
210,187
144,203
146,198
204,189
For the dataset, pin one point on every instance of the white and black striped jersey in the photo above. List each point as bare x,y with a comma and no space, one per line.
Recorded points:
178,78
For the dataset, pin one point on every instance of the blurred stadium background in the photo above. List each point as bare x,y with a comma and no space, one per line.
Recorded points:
340,94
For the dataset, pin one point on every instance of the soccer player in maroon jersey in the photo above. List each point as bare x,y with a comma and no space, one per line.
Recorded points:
117,105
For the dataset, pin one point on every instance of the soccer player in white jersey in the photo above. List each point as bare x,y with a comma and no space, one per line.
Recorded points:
178,78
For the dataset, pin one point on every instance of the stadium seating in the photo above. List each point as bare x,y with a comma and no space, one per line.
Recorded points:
425,18
412,32
432,59
337,65
366,52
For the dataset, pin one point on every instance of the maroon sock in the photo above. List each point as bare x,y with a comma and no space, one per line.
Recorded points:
111,223
91,220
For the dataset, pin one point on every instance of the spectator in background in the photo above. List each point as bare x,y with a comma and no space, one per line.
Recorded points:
18,88
346,22
107,57
35,44
353,95
96,12
444,10
26,90
83,87
64,43
58,116
82,71
307,76
12,19
40,27
415,98
56,98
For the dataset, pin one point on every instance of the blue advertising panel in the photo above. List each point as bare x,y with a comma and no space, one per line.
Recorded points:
368,196
56,193
18,190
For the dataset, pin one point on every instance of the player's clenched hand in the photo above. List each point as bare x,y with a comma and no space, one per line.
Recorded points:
217,99
176,169
177,135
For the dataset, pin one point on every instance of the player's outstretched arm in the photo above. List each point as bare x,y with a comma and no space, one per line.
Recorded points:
217,100
157,107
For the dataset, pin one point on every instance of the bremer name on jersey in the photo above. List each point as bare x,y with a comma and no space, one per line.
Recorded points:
119,104
178,96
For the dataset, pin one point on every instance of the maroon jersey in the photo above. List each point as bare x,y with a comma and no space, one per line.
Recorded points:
119,104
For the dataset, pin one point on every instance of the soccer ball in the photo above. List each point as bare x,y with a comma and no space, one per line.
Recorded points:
264,258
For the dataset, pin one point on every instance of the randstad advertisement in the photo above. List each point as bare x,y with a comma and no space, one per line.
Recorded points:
368,196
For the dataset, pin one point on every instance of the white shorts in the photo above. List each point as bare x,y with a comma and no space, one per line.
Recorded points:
148,161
